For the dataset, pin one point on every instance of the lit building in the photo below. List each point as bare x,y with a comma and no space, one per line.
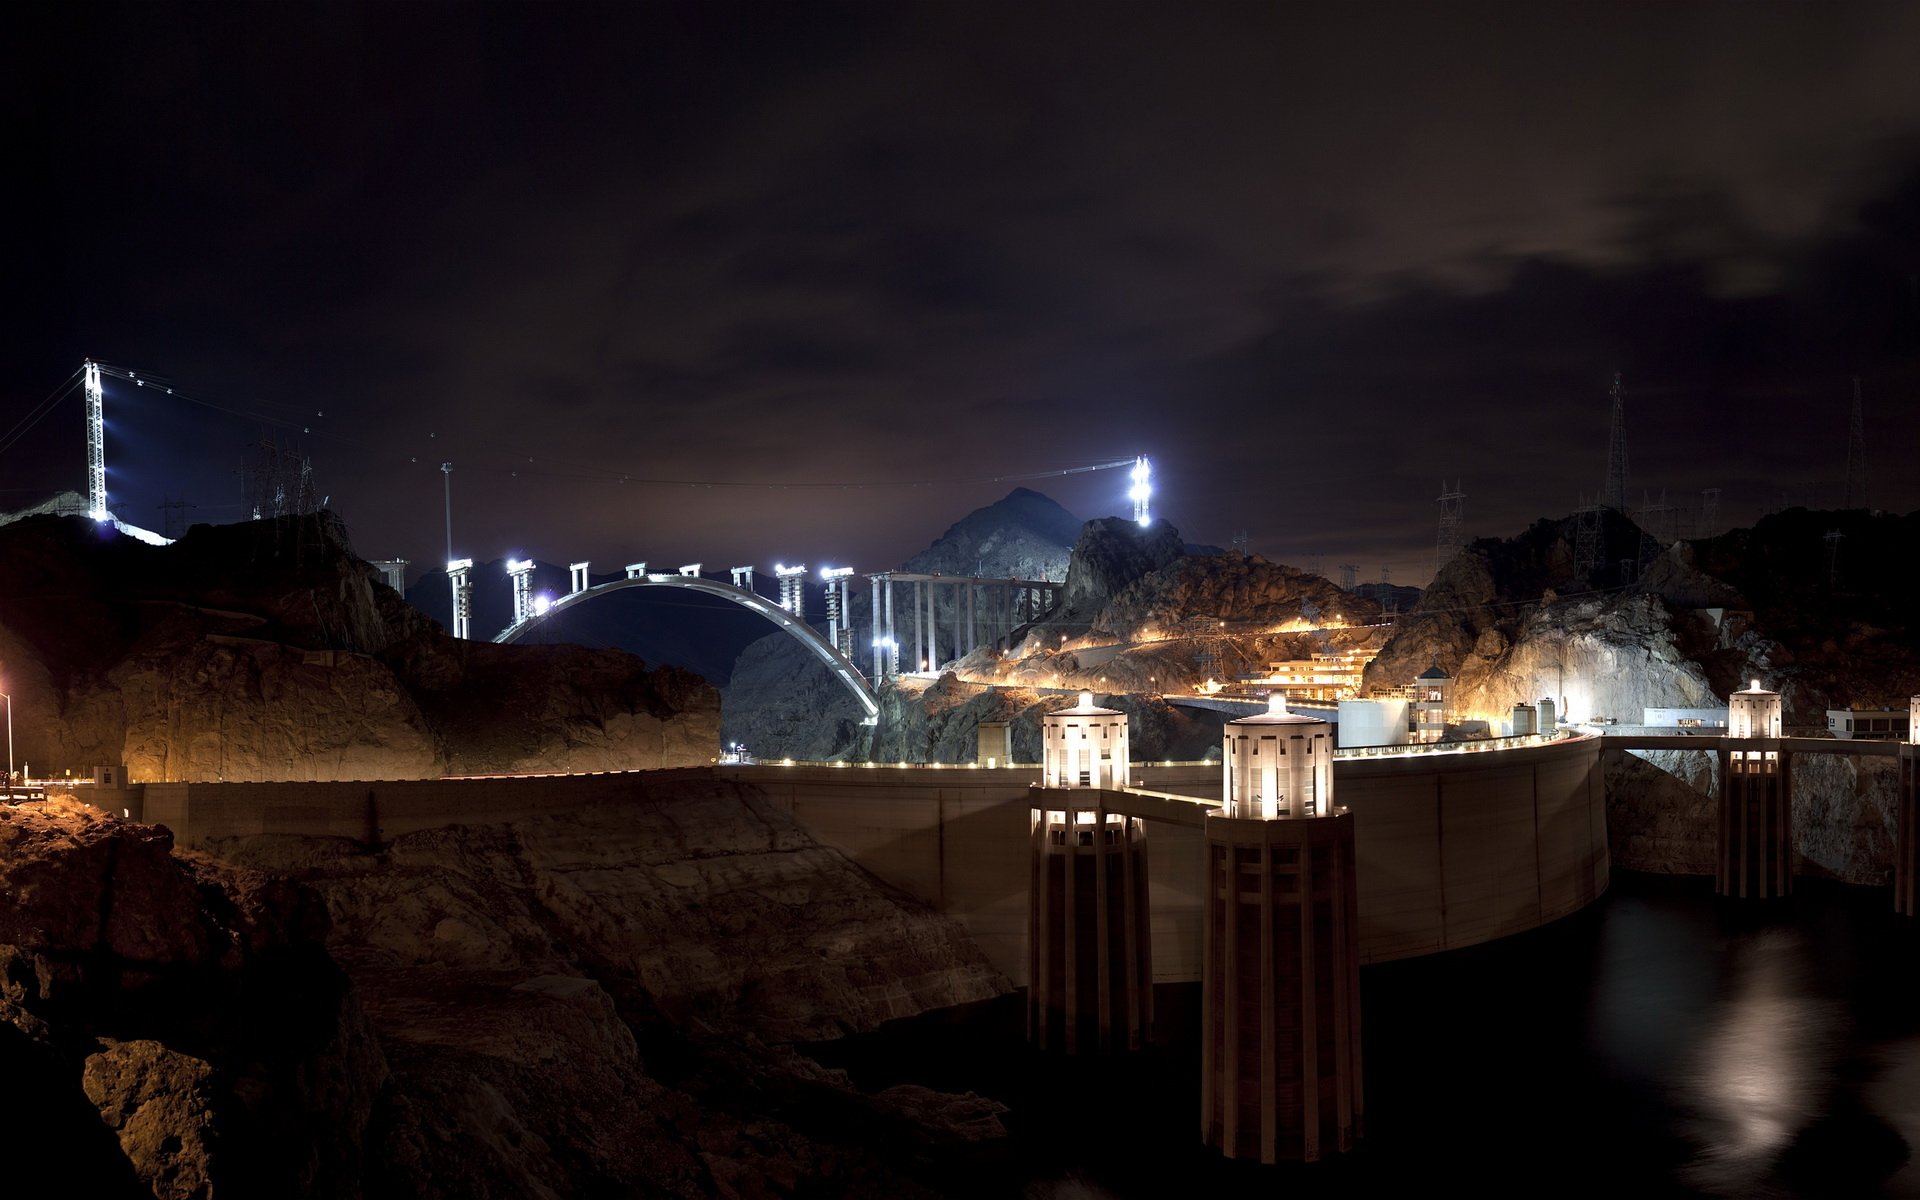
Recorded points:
1280,978
1521,722
1330,676
1089,941
1756,801
1433,694
1870,724
1084,746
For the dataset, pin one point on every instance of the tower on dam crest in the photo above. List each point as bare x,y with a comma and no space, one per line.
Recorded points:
1280,977
1755,860
1089,946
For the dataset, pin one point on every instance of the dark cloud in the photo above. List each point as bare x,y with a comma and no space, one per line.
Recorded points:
1315,259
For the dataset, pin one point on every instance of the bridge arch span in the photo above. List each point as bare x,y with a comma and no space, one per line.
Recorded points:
805,634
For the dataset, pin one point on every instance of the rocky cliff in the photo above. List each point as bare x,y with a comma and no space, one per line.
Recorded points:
1514,620
600,1002
941,723
267,650
172,1028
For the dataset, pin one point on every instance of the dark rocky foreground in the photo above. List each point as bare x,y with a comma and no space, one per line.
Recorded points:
600,1003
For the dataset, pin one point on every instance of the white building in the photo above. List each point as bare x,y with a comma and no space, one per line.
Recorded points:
1374,723
1085,746
1277,764
1433,695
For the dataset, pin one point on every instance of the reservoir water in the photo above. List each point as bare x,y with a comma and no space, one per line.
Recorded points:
1659,1043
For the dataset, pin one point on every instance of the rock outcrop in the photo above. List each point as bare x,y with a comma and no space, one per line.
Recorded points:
602,1001
189,1010
941,723
267,650
1111,553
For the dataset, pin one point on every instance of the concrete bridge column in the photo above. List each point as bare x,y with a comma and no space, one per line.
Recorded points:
1089,947
933,627
873,627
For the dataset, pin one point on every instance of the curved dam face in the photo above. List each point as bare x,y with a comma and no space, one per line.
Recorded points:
1454,848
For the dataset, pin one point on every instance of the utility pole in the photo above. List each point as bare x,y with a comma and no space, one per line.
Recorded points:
446,469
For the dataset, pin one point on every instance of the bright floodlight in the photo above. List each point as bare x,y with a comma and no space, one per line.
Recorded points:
1142,490
542,603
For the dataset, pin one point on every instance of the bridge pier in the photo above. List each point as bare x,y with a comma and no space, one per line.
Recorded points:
460,575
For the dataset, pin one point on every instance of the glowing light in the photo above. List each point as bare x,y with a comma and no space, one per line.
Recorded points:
1142,491
541,604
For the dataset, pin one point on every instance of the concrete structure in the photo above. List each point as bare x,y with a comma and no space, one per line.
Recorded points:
1325,676
460,576
520,573
1433,693
1089,940
995,744
1521,723
1755,859
1085,746
1545,719
1373,723
984,611
1280,1064
1879,724
1906,855
1277,763
689,577
1685,718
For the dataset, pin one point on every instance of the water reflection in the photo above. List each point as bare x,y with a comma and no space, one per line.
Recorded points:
1761,1074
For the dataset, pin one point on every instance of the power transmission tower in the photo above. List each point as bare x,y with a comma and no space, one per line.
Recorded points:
1349,575
1453,504
1386,575
1833,537
173,521
1313,564
1586,538
1613,494
1709,510
1240,542
1856,454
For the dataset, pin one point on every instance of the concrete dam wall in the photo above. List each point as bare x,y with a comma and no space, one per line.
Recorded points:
1454,848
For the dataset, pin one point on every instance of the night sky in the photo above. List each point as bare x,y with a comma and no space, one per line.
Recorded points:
1311,260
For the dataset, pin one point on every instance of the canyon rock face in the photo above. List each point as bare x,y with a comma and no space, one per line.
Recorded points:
603,1000
1111,553
1663,812
941,723
184,1029
783,702
266,650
